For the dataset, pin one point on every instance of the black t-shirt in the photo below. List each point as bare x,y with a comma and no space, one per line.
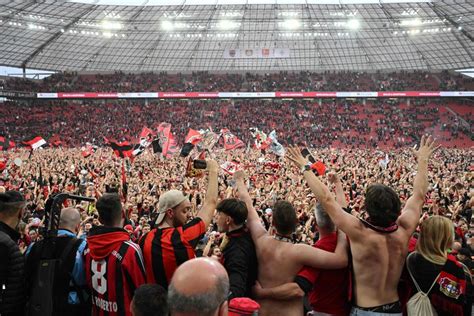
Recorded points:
424,271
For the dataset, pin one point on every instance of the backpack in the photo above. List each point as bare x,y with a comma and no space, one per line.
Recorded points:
49,276
420,304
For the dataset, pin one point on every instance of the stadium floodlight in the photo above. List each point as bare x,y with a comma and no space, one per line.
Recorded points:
459,28
107,34
291,24
167,25
353,24
411,22
111,25
227,25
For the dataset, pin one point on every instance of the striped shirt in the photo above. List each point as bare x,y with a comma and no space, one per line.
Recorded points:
164,249
114,278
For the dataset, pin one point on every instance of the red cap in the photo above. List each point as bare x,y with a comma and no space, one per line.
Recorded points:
128,227
242,306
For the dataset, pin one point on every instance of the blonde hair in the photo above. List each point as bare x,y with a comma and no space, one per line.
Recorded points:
436,237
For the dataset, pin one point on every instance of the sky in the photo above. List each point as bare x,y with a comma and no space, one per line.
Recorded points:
18,72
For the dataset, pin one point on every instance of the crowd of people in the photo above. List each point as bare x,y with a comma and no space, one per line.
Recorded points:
206,82
259,223
377,123
360,213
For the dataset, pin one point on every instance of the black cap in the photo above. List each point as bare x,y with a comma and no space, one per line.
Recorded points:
11,197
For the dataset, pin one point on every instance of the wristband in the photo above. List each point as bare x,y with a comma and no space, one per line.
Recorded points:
306,167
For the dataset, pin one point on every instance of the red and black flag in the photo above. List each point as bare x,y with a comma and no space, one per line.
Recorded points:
156,146
35,143
166,140
6,143
146,136
124,182
230,140
173,147
121,149
190,141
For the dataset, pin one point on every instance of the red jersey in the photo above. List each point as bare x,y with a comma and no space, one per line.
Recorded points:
330,288
114,269
164,249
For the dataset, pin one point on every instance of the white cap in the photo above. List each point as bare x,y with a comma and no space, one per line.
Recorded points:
168,200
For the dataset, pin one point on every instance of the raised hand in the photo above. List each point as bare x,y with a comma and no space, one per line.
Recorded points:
239,175
332,177
427,147
295,155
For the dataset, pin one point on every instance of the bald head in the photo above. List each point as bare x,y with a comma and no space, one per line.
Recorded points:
198,287
70,219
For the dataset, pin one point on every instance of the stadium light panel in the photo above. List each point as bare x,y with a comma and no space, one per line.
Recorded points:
167,25
353,24
227,25
111,25
291,24
411,22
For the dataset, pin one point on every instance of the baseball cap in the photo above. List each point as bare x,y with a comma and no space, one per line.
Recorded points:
169,200
11,198
242,306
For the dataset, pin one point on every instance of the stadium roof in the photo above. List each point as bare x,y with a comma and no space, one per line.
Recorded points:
233,35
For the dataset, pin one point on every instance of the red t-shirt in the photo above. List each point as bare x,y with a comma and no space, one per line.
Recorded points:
330,292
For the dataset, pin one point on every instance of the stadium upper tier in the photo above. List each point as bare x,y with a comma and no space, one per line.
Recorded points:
208,82
237,35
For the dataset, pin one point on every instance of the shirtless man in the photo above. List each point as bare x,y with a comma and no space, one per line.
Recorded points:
279,260
379,245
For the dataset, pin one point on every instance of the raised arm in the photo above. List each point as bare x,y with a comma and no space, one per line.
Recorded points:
412,210
257,230
317,258
340,196
209,206
348,223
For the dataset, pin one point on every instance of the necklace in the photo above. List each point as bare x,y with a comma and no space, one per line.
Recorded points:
282,238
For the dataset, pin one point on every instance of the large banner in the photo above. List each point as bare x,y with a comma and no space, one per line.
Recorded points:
247,53
263,95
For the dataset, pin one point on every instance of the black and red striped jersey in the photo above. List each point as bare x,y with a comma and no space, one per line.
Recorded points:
114,269
164,249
